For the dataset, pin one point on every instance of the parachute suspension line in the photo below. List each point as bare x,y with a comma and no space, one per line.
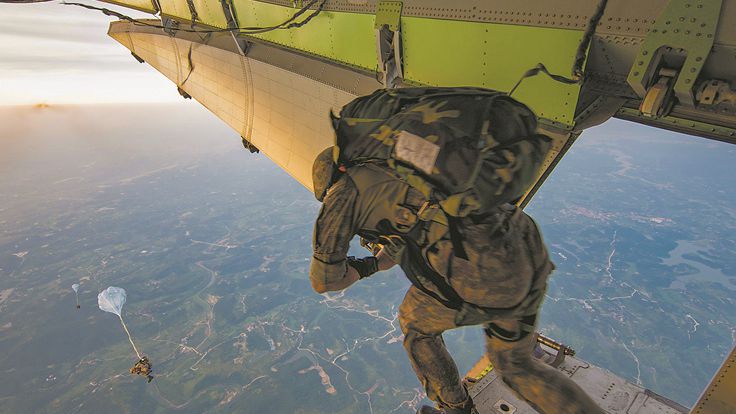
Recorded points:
130,338
290,23
577,74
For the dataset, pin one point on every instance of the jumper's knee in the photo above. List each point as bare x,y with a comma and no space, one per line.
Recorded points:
414,341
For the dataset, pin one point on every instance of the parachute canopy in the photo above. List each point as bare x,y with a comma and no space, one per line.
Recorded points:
112,300
75,287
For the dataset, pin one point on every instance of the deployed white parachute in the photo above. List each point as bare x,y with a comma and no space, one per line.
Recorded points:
75,288
112,300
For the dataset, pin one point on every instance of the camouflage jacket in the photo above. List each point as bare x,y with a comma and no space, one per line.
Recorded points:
506,258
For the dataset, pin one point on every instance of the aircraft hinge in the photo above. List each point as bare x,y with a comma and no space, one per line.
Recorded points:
388,42
170,25
658,100
715,92
184,94
680,38
138,58
249,146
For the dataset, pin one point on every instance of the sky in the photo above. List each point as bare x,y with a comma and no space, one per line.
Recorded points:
58,54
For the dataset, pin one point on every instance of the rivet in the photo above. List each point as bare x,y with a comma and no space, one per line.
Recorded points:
698,59
687,80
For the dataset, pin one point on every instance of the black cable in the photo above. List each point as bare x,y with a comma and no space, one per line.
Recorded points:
580,55
577,68
541,68
290,23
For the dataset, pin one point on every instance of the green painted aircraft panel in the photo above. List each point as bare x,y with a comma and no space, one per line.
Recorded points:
249,13
495,56
210,13
142,5
439,52
175,8
344,37
354,40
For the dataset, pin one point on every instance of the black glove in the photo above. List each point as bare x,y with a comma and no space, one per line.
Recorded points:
365,266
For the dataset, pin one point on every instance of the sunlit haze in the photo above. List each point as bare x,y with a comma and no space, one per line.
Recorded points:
53,53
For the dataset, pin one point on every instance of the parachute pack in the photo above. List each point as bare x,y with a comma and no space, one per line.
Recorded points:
467,149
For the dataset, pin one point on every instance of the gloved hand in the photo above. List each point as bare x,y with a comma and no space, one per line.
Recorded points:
365,266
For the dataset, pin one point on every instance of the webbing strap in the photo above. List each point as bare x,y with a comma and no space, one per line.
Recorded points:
456,237
580,54
417,265
540,68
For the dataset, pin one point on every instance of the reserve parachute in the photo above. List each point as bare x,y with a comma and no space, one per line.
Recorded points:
466,149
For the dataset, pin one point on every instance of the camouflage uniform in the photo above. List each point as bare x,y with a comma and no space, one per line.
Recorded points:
501,284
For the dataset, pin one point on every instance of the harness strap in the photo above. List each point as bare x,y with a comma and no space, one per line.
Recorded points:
456,237
416,265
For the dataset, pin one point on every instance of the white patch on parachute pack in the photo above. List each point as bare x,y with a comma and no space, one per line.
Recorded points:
417,151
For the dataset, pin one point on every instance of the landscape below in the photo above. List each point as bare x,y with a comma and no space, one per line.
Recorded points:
212,245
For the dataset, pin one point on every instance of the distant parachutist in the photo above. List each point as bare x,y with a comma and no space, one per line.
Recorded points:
112,300
75,288
143,368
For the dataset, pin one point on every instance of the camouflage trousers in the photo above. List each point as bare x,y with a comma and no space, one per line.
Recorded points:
423,320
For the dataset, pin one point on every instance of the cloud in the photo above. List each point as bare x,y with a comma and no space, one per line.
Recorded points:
80,31
64,64
55,53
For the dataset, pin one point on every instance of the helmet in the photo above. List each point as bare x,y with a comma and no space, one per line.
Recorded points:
323,172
